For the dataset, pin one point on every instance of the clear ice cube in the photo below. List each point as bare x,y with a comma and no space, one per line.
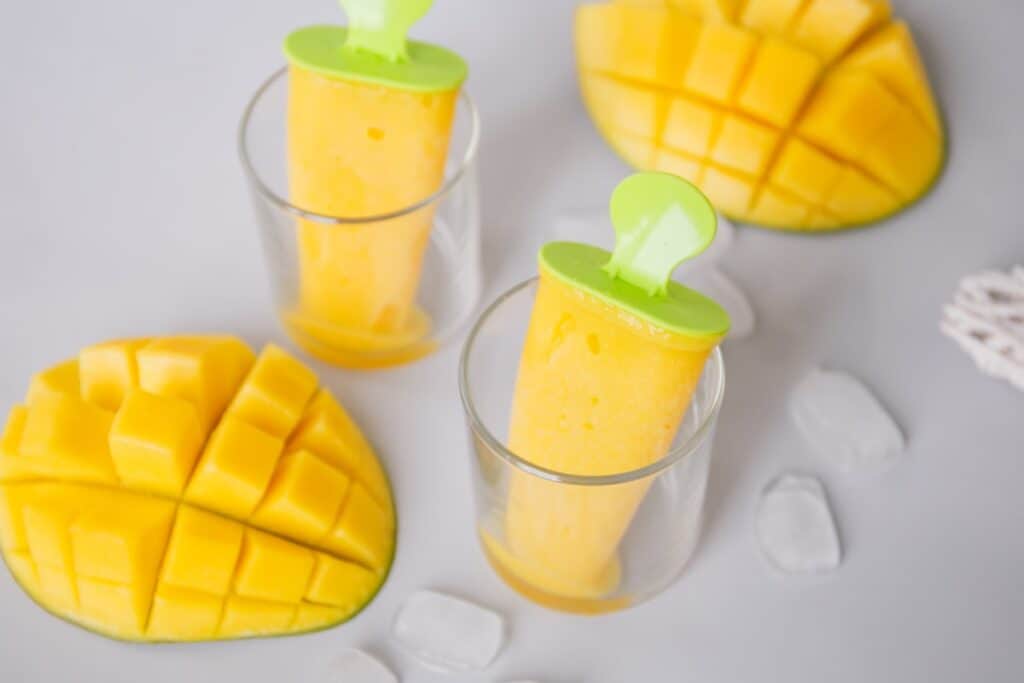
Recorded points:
356,666
845,423
795,526
448,634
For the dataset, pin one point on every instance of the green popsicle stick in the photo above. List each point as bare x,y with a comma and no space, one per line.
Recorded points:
380,26
660,221
374,49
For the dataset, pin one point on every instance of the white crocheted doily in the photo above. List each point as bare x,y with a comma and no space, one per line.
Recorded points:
986,319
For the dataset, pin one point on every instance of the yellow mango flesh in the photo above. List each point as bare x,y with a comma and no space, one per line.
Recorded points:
184,489
599,392
357,150
791,114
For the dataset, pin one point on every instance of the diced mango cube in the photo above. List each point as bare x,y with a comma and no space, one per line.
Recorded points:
57,588
313,617
620,56
329,432
730,192
108,371
339,583
829,27
890,54
235,468
117,607
273,569
204,370
47,520
659,60
68,438
681,165
805,171
60,379
244,617
180,614
743,145
720,58
303,499
772,207
623,107
122,539
12,526
275,392
10,440
364,531
12,465
154,442
778,82
855,197
678,44
203,551
847,113
691,126
771,17
904,153
633,148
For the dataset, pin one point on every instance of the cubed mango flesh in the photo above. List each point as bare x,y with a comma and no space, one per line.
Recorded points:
791,114
225,496
108,370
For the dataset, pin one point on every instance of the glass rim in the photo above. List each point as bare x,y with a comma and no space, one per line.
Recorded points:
249,167
673,456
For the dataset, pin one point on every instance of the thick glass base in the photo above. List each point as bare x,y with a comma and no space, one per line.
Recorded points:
518,577
356,349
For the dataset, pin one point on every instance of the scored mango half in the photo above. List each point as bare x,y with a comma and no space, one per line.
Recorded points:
792,114
182,488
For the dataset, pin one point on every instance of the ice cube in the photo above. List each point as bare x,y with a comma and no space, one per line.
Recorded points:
711,282
795,526
593,225
356,666
448,634
845,423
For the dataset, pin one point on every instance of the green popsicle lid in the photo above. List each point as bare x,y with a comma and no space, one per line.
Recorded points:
660,220
373,48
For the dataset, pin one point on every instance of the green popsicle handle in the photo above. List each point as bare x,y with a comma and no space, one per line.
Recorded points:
374,49
381,26
660,220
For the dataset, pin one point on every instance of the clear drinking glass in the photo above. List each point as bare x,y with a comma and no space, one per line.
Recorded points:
659,538
446,288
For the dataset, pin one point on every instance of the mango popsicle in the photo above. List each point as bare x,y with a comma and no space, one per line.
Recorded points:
369,122
613,353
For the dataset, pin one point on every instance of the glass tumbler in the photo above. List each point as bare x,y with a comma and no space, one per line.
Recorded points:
365,291
537,526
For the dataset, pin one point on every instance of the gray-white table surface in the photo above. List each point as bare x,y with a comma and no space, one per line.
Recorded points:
124,211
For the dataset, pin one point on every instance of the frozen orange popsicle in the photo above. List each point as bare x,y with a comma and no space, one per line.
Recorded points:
369,121
613,353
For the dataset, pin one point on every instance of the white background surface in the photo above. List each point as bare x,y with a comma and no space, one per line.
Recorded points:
124,212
